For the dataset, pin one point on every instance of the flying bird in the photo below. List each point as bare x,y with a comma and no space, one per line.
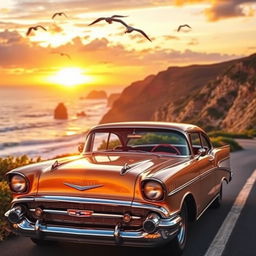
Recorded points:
109,20
35,28
63,54
59,14
182,26
130,29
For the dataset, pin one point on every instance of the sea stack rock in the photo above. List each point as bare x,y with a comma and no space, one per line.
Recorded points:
81,114
61,112
97,95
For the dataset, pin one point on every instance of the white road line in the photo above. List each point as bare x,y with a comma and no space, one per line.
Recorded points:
218,244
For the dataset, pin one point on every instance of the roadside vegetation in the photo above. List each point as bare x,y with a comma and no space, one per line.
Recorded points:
248,134
7,164
221,138
220,141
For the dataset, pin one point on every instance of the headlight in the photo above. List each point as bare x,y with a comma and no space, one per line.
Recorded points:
18,183
153,190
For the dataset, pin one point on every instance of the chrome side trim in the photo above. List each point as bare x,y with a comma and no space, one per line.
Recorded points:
197,178
94,214
183,186
159,209
207,206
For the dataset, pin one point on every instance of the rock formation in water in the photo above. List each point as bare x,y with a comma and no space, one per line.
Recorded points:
96,95
61,111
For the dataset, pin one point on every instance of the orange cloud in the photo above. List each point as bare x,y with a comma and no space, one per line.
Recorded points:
226,9
30,61
222,9
187,2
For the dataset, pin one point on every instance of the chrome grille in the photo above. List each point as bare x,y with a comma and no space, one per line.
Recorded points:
102,216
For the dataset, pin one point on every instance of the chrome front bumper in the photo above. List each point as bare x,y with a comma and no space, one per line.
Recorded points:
167,229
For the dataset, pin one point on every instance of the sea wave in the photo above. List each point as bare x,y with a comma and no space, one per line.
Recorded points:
35,125
42,142
35,115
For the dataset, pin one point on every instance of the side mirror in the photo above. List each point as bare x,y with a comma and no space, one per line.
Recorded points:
81,147
201,152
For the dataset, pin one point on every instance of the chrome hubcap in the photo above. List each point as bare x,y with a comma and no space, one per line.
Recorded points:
182,232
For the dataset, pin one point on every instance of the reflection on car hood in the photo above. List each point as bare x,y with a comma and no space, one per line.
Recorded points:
99,175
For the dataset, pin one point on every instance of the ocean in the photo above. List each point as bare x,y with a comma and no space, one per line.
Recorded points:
27,125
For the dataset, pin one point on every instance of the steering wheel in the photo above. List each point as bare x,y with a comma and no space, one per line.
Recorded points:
166,146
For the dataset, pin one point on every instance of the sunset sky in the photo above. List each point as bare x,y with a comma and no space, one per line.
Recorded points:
103,54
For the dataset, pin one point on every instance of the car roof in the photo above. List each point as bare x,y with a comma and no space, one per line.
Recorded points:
161,125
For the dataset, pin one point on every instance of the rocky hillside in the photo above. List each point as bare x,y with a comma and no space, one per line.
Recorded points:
218,96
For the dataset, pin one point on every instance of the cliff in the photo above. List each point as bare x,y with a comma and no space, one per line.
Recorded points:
112,98
217,96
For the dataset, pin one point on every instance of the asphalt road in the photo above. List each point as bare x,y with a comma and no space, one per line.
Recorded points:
242,241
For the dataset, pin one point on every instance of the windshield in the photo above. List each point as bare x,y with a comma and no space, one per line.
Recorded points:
159,141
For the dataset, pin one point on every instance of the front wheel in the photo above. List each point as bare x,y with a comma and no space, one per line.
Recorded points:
176,246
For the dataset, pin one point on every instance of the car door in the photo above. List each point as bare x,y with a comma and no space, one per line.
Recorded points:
205,166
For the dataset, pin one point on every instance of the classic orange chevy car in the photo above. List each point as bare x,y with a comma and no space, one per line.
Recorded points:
134,184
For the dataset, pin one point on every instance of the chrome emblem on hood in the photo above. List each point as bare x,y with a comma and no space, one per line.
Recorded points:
82,188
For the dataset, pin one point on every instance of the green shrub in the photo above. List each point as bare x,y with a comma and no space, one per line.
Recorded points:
5,199
239,76
222,141
251,133
10,162
242,135
7,164
214,112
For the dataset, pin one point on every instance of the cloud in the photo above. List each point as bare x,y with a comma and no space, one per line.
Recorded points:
96,45
19,53
31,8
222,9
35,9
54,28
9,37
170,37
173,57
227,9
193,41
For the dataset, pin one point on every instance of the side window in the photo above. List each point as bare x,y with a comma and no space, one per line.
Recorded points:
100,141
195,142
114,141
205,142
105,141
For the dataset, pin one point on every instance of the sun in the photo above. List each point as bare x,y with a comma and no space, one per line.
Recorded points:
70,77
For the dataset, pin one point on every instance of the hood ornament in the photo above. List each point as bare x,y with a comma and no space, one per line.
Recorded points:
125,168
82,188
55,165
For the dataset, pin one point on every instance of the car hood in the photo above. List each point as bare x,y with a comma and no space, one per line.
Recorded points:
99,175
